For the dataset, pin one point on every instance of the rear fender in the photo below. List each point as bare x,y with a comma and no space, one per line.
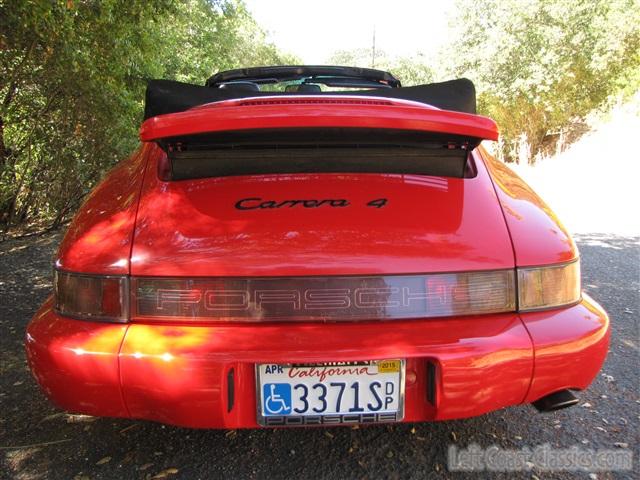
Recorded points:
538,236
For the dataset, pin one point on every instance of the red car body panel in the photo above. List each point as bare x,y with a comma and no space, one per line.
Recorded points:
99,239
177,374
135,224
76,363
536,231
559,339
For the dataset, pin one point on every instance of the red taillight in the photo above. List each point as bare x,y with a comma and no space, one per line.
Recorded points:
89,297
386,297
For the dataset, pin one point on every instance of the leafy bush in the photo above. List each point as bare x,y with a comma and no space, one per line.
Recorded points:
409,70
541,66
72,79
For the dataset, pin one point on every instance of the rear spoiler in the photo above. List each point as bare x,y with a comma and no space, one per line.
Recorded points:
302,112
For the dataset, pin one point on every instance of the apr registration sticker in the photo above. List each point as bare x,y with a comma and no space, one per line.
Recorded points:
388,366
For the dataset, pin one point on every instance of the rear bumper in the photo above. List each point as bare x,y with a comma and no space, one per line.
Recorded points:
203,376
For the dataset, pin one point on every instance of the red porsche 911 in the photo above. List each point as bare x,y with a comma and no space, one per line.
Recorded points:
314,246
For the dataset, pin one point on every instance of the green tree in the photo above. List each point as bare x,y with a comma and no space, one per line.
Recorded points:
409,70
542,65
72,79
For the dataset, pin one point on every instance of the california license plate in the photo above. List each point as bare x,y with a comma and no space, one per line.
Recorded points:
330,393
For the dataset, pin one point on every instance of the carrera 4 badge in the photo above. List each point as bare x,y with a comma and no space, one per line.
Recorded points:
257,203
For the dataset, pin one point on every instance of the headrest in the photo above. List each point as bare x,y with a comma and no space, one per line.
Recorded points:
240,87
309,88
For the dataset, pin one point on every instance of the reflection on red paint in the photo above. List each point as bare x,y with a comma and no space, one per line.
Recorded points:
99,238
571,345
192,227
538,235
177,374
76,362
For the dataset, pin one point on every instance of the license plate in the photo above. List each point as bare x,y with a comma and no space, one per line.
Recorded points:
330,393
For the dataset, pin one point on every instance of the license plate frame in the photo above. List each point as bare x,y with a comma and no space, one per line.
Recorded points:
290,420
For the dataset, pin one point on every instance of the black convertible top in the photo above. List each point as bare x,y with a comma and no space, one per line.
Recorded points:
168,96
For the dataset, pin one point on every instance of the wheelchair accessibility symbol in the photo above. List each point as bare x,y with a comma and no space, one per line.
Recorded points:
277,398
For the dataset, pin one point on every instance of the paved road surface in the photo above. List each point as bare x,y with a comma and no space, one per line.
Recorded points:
68,447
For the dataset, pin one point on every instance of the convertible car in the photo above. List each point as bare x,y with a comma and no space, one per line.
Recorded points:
314,246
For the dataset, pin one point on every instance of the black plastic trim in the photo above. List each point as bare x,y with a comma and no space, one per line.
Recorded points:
431,382
230,389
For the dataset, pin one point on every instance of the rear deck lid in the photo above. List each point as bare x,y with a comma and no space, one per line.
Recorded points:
317,185
318,224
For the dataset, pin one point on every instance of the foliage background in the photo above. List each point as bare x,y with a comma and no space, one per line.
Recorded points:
72,80
541,66
73,73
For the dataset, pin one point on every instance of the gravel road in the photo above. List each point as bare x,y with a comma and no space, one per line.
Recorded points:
38,441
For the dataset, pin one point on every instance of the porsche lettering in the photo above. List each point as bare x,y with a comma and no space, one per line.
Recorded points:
292,299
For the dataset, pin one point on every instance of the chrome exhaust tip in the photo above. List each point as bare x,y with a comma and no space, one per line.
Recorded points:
556,401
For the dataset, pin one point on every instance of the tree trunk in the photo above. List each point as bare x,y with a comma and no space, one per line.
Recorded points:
3,148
